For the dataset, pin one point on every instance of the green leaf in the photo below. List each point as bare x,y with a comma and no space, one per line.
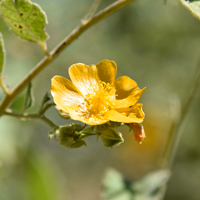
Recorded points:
1,54
150,187
193,6
29,97
25,19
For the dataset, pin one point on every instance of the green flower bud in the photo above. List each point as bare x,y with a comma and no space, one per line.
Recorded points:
110,137
68,136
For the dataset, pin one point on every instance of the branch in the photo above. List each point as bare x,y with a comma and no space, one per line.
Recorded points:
65,43
29,116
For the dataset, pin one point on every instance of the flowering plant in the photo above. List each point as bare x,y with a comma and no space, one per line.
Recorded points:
94,97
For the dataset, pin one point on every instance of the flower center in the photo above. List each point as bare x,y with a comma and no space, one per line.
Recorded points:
99,101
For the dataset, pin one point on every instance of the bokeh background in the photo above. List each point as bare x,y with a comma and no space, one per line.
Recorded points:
157,45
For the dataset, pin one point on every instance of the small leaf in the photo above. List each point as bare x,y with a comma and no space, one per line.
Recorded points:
110,137
45,99
193,6
25,19
28,98
1,54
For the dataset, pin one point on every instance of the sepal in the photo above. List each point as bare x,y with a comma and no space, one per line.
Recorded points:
110,137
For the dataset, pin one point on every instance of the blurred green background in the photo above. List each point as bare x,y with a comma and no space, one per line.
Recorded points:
155,44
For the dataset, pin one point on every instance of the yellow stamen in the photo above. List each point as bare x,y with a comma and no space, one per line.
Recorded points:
98,102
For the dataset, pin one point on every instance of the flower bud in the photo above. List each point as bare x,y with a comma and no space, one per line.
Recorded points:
67,136
110,137
139,133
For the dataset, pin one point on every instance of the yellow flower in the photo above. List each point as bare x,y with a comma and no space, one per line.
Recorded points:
94,97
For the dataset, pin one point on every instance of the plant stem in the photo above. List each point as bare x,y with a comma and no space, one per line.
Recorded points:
176,130
29,116
47,106
65,43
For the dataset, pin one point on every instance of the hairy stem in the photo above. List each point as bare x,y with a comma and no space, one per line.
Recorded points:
65,43
176,130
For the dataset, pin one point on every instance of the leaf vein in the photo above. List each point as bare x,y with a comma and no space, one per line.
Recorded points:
8,7
29,13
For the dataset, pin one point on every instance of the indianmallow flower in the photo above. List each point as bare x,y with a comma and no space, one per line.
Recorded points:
94,97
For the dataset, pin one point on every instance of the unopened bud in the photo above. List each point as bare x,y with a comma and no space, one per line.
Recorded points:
67,136
110,137
139,133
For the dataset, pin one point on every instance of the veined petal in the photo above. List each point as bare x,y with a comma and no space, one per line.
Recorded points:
85,78
107,71
76,114
131,100
128,115
65,93
124,86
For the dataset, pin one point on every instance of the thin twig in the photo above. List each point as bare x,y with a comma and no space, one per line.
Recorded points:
66,42
29,116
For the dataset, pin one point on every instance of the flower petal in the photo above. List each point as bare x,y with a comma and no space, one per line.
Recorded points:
76,115
85,78
124,86
131,100
65,93
128,115
107,71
